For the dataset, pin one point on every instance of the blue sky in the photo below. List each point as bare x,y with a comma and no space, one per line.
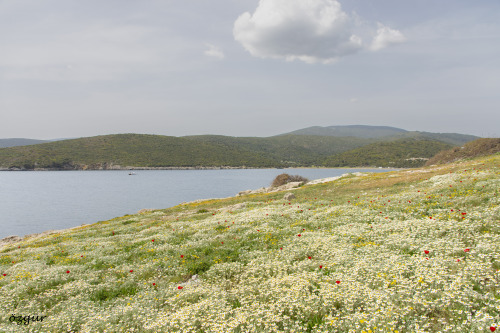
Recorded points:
72,68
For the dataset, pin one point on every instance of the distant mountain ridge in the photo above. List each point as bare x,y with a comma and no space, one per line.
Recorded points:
358,131
13,142
381,132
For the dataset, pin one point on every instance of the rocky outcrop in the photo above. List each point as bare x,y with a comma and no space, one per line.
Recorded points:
10,240
288,186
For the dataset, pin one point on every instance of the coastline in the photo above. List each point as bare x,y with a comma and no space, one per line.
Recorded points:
12,239
127,168
130,168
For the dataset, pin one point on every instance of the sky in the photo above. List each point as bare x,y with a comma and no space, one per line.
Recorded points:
75,68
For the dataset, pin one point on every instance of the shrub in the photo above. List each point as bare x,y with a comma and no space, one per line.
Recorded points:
479,147
285,178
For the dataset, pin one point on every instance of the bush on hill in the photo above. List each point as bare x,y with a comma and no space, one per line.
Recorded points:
479,147
285,178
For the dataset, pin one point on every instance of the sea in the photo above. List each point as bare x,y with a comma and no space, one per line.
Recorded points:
37,201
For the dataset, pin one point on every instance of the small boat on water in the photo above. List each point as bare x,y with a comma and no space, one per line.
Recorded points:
131,173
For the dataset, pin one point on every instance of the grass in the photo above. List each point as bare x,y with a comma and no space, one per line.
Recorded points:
408,251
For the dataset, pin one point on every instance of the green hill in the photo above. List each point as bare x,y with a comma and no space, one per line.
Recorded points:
402,153
136,150
403,251
300,150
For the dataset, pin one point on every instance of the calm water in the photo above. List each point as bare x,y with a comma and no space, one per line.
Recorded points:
36,201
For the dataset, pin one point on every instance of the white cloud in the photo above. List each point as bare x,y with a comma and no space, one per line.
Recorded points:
385,37
308,30
214,51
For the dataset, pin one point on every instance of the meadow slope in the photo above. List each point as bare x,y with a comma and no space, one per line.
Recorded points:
406,251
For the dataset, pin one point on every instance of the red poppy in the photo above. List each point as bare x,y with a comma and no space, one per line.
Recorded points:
4,274
458,260
320,267
299,235
81,256
182,256
222,242
464,213
131,270
467,250
338,282
281,248
492,328
309,257
154,284
180,287
67,272
426,251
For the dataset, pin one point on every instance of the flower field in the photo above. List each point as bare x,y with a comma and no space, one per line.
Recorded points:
406,251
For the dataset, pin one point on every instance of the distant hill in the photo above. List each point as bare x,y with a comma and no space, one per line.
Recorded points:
358,131
382,133
402,153
4,143
476,148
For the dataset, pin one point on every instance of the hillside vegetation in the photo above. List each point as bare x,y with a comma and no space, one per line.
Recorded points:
408,251
156,151
289,150
138,150
403,153
480,147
